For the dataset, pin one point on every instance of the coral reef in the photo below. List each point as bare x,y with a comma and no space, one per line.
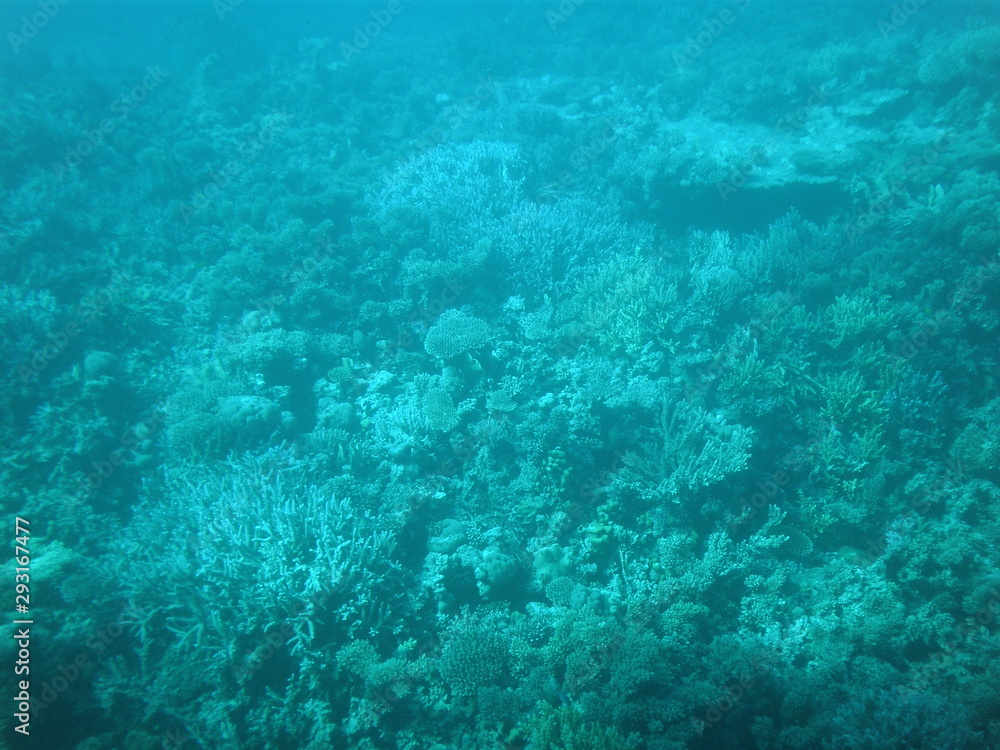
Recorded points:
600,376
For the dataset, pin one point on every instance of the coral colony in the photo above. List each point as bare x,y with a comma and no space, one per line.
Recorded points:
522,376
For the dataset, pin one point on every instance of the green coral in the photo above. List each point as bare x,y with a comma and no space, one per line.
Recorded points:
848,402
625,307
564,728
976,449
475,654
858,319
692,451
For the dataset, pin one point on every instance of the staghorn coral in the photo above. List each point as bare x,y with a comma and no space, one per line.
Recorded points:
267,575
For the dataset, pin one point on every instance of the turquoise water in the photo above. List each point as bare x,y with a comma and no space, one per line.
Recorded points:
580,375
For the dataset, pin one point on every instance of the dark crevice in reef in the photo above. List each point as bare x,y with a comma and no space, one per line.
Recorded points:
748,210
